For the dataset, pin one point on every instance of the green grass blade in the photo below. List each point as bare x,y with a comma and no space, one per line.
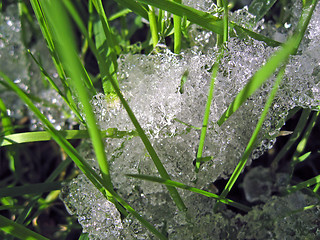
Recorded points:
107,42
273,63
29,189
253,138
153,26
18,230
305,184
241,30
259,8
192,189
294,137
215,69
203,19
27,137
177,31
303,142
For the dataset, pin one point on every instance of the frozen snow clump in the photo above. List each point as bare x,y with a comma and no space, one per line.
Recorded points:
168,93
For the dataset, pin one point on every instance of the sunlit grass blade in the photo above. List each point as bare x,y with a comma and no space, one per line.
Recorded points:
272,64
192,189
29,189
38,136
305,184
252,142
177,31
259,8
153,26
18,230
203,19
107,44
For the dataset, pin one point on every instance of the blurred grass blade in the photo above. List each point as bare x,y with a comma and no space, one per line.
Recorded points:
29,189
259,8
191,189
203,19
177,31
26,137
18,230
272,64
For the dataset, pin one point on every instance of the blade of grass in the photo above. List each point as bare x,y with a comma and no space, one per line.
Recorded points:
294,137
191,189
177,31
252,141
18,230
303,142
305,184
272,64
27,137
215,69
109,41
153,26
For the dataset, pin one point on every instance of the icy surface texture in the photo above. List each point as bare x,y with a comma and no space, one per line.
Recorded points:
171,112
95,213
20,67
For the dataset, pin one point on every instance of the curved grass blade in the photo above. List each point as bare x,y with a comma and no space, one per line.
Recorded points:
191,189
272,64
18,230
27,137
